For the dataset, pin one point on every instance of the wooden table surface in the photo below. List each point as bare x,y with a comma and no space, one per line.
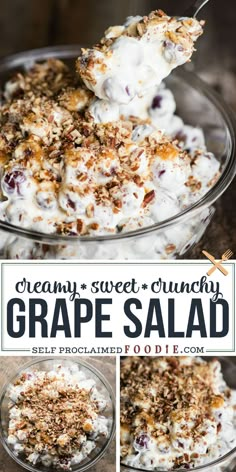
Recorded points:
26,24
106,365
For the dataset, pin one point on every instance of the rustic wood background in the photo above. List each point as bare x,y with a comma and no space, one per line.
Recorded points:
107,366
26,24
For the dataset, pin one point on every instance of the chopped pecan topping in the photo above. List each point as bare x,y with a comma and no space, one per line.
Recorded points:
149,197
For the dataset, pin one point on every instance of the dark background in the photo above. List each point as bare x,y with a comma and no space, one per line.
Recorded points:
27,24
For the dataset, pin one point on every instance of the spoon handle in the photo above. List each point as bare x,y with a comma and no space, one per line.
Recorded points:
195,8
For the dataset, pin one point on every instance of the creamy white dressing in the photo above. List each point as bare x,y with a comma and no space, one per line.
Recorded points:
133,64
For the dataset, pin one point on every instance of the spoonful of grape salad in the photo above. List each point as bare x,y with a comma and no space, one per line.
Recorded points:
132,58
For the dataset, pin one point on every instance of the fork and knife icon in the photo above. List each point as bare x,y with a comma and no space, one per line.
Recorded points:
218,264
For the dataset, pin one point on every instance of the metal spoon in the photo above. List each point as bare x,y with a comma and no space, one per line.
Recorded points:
194,9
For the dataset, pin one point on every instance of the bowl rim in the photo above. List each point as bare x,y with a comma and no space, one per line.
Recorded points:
204,467
225,179
92,369
201,468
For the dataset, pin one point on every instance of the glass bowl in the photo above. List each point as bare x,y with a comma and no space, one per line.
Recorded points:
198,105
227,462
102,386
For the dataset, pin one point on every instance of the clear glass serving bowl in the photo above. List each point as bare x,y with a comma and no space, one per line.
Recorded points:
102,386
226,463
198,105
